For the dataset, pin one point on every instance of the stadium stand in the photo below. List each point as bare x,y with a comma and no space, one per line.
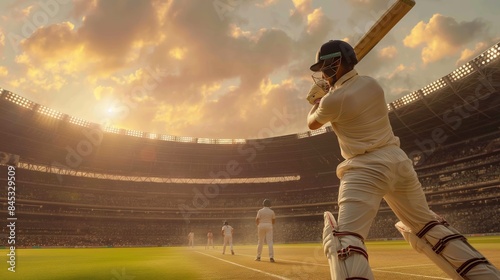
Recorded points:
79,184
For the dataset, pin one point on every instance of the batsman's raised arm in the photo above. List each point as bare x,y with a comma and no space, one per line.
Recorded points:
312,123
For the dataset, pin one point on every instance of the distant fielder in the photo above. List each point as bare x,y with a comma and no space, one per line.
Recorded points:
265,222
191,239
227,232
210,240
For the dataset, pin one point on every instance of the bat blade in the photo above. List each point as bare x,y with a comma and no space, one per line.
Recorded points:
383,25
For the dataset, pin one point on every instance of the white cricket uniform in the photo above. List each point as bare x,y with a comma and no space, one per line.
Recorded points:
265,230
228,237
191,239
210,239
375,167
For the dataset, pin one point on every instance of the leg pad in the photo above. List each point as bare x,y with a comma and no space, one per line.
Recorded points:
346,252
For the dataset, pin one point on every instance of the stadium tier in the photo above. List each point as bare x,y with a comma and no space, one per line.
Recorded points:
79,184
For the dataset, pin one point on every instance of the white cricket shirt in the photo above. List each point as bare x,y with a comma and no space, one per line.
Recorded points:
266,215
227,230
356,108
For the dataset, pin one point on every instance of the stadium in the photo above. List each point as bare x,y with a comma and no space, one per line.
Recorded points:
80,185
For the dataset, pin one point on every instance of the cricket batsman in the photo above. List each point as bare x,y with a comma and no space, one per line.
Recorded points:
376,168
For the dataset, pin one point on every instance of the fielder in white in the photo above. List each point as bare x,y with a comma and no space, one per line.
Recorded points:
265,222
191,239
210,240
375,167
227,232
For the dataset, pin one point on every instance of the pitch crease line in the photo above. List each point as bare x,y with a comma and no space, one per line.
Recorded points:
257,270
290,261
406,266
410,274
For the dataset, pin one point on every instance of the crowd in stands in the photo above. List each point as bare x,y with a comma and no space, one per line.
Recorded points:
468,219
461,184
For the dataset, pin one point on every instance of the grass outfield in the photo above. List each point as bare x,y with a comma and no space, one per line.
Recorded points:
392,260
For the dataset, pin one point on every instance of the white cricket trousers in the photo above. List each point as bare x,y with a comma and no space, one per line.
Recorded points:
388,173
265,232
228,239
385,173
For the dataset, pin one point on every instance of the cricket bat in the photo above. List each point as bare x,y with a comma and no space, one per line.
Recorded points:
383,25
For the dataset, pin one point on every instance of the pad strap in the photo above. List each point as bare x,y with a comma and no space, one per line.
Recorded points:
441,244
468,265
427,227
344,253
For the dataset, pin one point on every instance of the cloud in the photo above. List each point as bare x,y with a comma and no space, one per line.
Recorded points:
51,42
300,11
468,54
82,7
112,29
315,32
3,71
443,36
388,52
2,42
302,6
102,91
398,82
315,21
265,3
364,15
176,67
193,57
51,56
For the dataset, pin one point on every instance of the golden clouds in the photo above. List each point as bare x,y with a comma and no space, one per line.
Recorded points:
2,38
53,51
265,88
102,91
178,53
400,69
442,37
236,32
468,54
3,71
314,20
388,52
52,54
265,3
27,11
178,119
2,42
50,42
208,91
302,6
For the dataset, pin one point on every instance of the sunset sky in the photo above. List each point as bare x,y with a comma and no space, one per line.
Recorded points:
219,68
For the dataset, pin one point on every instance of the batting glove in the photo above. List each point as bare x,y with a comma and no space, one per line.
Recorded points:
317,91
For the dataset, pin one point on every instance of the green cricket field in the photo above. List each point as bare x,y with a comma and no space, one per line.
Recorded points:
393,260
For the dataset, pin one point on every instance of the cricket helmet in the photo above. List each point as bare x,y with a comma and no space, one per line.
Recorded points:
333,51
267,203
